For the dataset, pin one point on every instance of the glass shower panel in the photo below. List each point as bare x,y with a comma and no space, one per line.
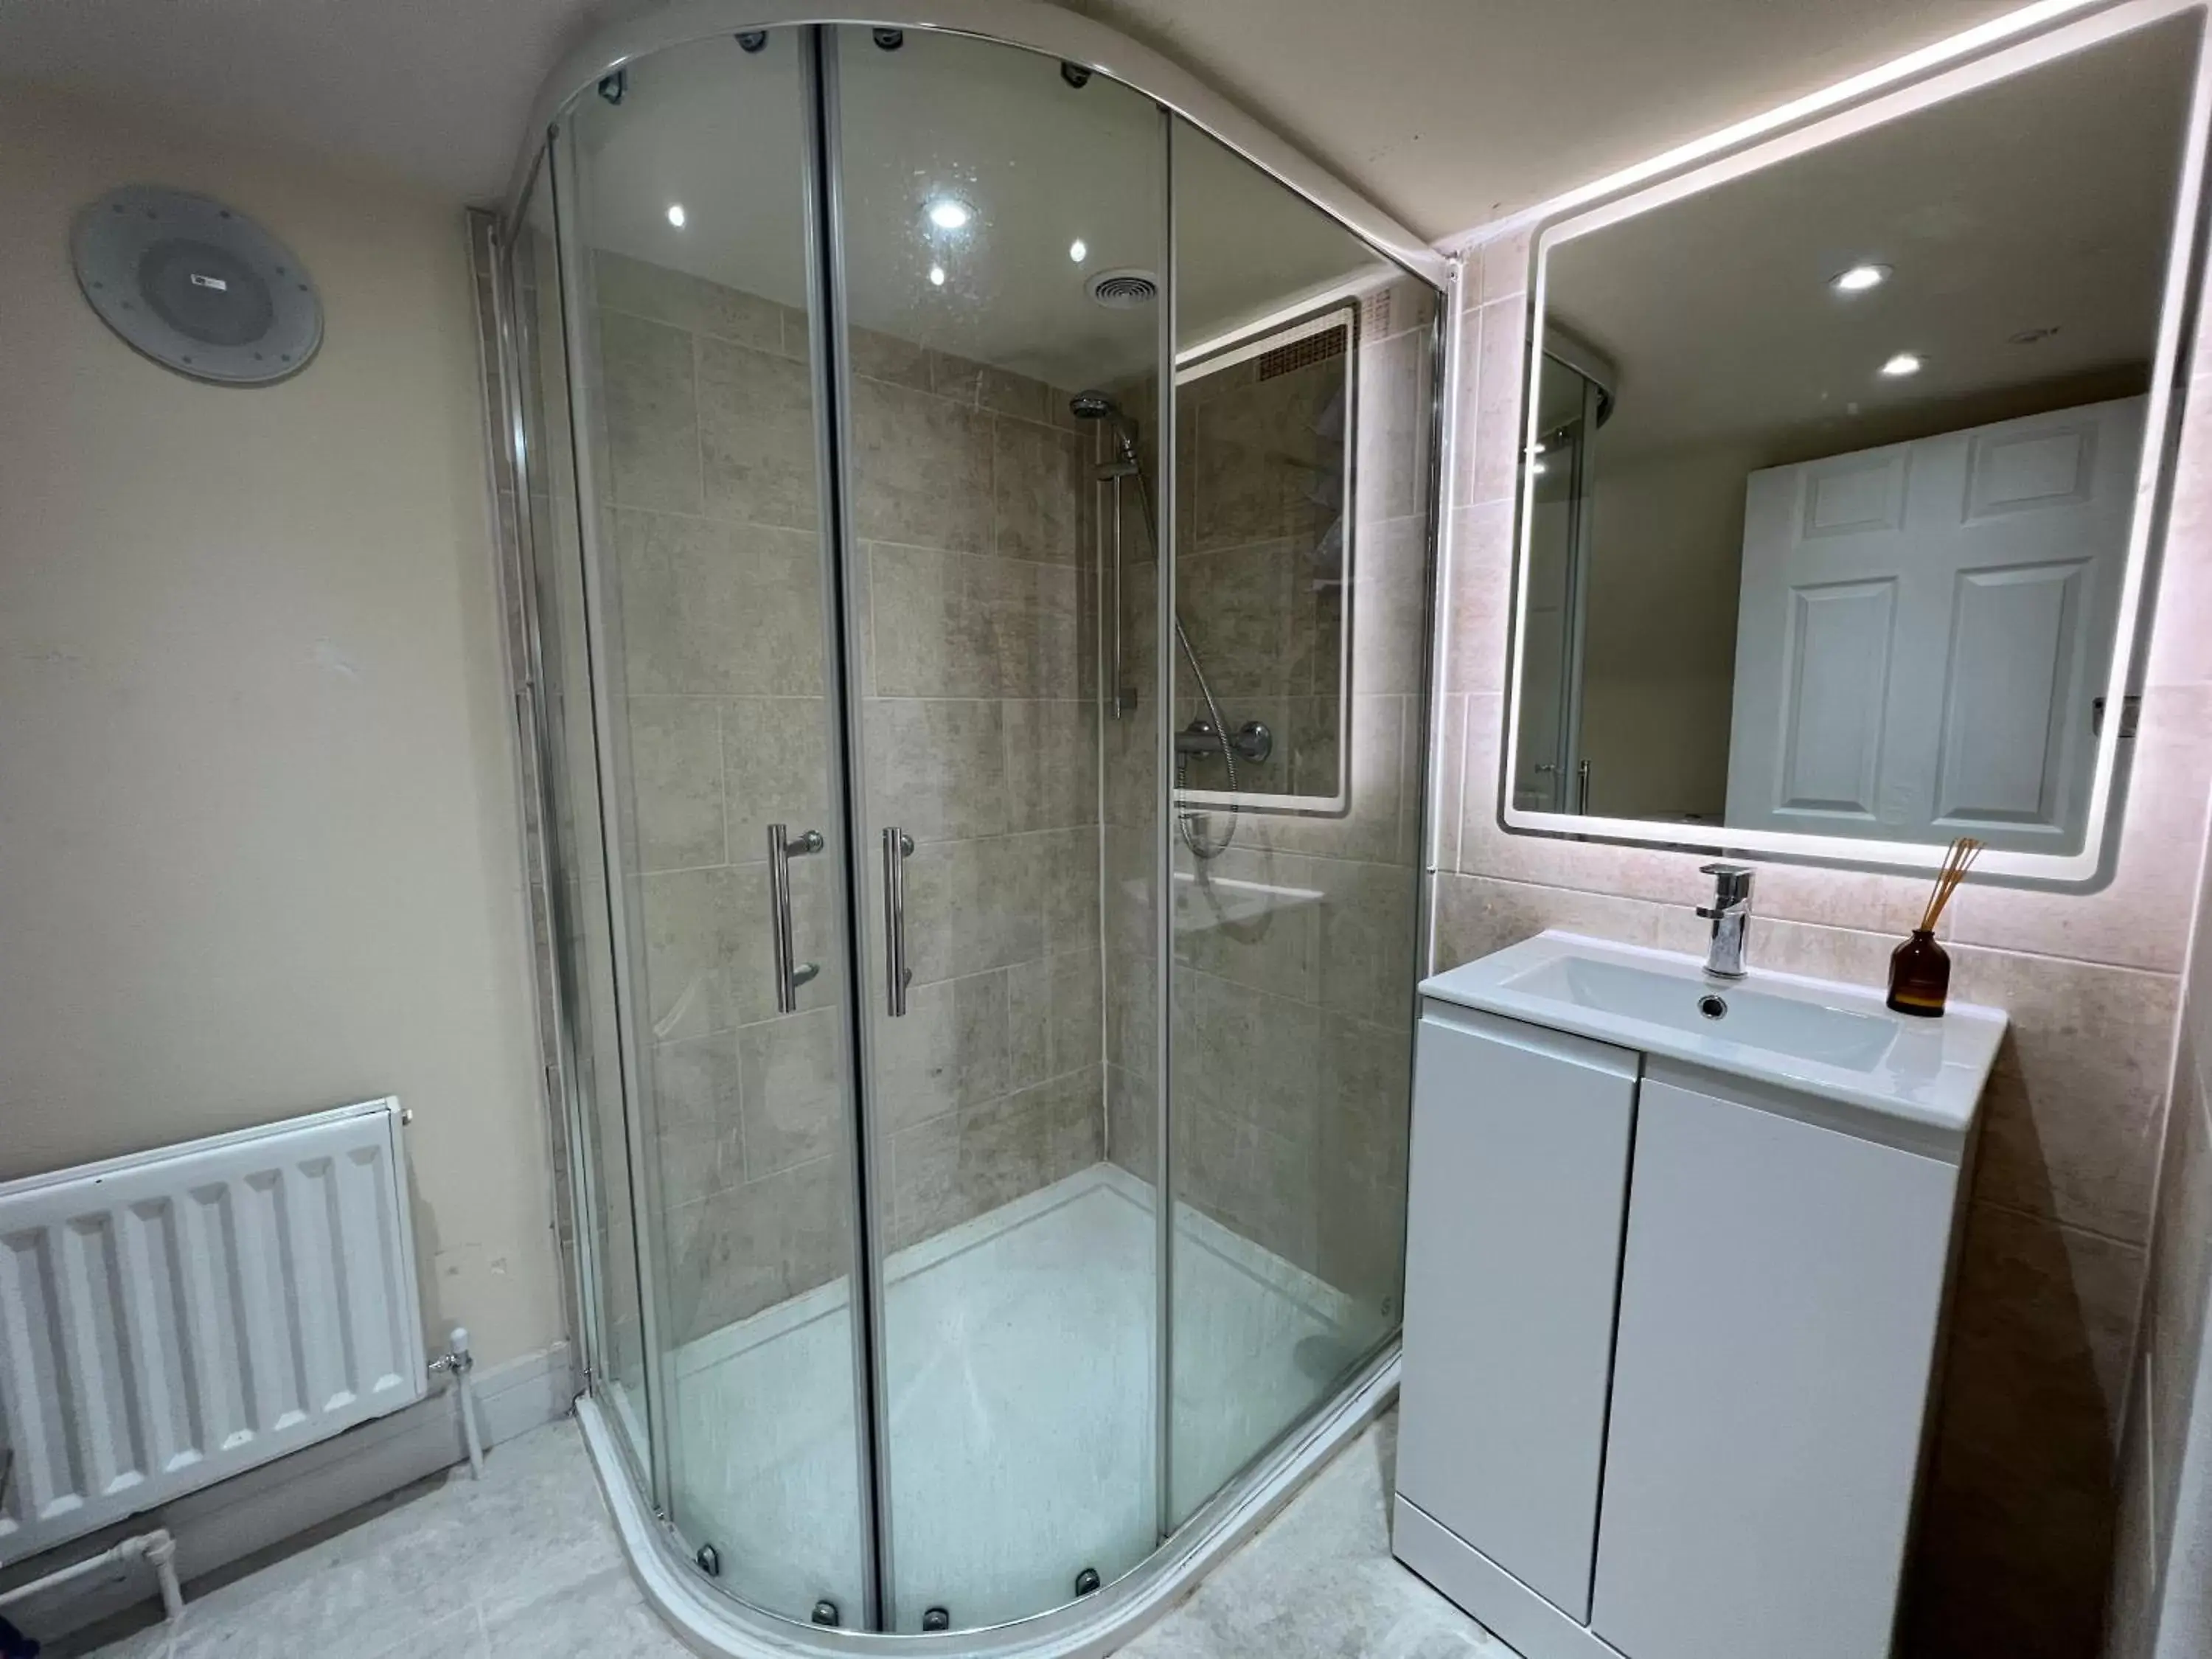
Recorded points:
1301,562
576,904
985,191
685,229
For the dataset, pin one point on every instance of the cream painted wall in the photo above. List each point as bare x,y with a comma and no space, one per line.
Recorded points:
1659,640
259,834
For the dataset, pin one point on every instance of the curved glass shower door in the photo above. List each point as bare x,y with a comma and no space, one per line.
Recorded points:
982,192
685,224
981,543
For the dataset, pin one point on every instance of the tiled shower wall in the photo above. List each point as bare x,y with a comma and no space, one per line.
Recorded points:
1294,949
2018,1523
980,744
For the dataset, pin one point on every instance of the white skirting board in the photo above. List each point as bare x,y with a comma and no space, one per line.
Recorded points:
226,1523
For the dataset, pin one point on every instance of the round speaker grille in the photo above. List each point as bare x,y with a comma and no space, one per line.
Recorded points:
196,286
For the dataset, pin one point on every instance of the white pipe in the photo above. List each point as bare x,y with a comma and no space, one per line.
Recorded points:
156,1548
466,1372
461,1363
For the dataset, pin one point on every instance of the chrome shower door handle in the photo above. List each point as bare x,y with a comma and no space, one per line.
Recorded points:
782,848
898,847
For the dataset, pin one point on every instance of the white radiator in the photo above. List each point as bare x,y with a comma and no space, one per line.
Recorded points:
172,1318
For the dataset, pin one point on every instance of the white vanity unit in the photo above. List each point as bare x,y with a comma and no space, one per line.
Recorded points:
1677,1255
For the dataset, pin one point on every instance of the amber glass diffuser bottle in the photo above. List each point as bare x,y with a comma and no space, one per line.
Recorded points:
1919,968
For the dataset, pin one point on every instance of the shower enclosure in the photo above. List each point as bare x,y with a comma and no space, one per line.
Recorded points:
977,525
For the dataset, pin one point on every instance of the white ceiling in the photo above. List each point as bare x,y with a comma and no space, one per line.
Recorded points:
2041,203
1446,112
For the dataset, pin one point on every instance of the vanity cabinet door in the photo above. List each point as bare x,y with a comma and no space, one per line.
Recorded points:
1520,1164
1779,1301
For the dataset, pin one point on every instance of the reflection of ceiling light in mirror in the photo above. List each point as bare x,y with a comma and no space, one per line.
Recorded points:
1541,447
1076,249
1901,365
948,214
1536,466
1859,279
937,275
675,215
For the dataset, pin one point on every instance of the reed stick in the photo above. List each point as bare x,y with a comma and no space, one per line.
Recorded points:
1958,859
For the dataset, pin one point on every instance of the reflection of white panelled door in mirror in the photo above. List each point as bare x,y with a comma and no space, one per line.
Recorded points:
1925,630
1849,544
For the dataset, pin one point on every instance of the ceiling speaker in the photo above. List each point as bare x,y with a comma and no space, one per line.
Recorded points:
197,286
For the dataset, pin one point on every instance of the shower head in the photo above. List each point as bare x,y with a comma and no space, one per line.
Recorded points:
1091,406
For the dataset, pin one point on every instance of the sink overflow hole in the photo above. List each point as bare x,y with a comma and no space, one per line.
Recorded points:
1712,1007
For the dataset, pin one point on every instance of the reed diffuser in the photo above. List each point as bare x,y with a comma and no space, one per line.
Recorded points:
1919,970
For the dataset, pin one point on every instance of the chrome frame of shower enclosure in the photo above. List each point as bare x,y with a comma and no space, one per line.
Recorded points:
641,1110
1031,24
710,1620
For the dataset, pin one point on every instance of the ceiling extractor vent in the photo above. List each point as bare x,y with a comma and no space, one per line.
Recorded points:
1125,290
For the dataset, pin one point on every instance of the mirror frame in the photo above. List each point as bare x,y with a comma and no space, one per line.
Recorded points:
1913,85
1340,307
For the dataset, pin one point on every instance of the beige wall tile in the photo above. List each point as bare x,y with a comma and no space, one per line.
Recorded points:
676,776
2181,635
1037,486
2177,1307
953,1049
1478,915
794,1089
1239,1052
757,437
730,1255
1002,393
1133,1122
660,294
1270,942
1493,459
929,635
1396,389
958,1165
1481,597
2019,1521
937,767
697,1091
886,357
1051,763
775,770
2141,918
2071,1127
975,905
1503,265
921,469
716,610
708,962
649,391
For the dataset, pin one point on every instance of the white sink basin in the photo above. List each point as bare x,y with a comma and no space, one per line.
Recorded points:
1837,1041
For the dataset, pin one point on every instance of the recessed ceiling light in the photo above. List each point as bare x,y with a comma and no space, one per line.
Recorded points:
675,215
937,275
1541,447
1859,279
948,214
1076,249
1901,365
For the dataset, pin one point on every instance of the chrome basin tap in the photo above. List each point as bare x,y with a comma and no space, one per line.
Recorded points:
1730,916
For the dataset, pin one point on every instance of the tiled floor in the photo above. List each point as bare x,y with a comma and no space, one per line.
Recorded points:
526,1566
